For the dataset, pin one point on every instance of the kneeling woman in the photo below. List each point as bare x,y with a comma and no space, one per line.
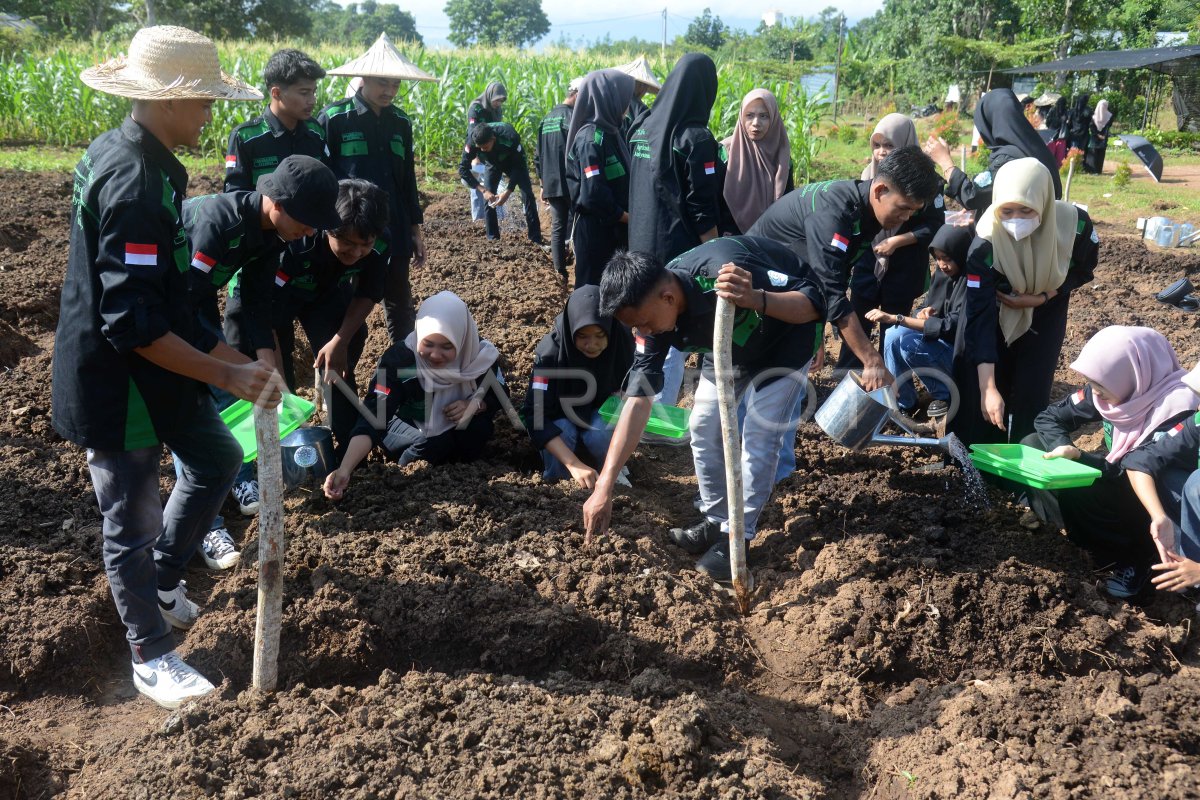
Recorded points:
430,394
562,405
1135,389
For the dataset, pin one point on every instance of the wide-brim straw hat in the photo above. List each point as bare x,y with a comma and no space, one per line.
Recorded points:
166,62
383,60
640,70
1047,99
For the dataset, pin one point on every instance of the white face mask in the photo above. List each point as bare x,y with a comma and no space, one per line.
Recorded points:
1019,228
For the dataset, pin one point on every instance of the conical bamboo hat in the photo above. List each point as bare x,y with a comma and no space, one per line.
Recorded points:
639,68
383,60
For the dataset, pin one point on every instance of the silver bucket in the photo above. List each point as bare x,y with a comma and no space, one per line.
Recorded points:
307,455
852,417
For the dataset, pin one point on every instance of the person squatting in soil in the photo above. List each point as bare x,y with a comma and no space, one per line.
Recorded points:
675,177
1030,252
236,239
597,172
285,127
577,366
551,162
1175,531
487,107
778,301
1135,389
371,138
498,145
131,359
433,396
928,343
895,271
829,225
1008,135
330,282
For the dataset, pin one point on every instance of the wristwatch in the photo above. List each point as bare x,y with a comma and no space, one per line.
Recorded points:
899,319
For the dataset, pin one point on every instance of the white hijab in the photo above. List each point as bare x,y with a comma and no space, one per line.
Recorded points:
445,313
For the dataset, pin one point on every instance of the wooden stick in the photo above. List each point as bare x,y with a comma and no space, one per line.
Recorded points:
1070,174
727,404
270,549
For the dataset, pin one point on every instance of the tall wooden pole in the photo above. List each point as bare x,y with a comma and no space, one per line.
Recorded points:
837,69
730,436
270,549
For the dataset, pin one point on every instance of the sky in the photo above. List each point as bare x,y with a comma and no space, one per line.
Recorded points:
622,19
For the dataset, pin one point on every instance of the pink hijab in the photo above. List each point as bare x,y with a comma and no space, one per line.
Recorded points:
758,171
1139,365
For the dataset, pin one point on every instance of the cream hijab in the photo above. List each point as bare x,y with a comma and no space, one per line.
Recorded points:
897,129
758,171
445,313
1039,262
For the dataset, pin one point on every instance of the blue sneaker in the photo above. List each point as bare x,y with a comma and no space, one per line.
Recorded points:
1127,581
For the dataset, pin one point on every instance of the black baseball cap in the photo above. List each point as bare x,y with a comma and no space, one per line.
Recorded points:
306,189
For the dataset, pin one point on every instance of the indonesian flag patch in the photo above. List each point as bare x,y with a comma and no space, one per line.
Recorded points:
591,170
1077,398
541,383
972,281
281,278
203,263
143,255
840,242
639,344
1176,430
230,161
382,390
710,167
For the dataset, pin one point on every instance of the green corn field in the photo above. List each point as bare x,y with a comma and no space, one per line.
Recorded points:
42,99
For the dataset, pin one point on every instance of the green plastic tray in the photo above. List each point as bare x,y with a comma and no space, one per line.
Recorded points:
1026,466
670,421
294,411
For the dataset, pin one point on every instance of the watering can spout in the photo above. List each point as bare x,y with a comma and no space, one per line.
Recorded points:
913,441
853,418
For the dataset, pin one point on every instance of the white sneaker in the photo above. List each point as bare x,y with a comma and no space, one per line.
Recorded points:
169,681
176,609
218,549
246,494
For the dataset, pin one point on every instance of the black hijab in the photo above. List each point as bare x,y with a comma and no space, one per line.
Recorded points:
1009,136
603,97
954,241
610,367
686,101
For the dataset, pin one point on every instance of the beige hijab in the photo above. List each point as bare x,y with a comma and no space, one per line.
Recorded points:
897,129
758,171
1039,262
445,313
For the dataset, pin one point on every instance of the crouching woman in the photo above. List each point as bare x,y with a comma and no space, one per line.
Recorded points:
431,392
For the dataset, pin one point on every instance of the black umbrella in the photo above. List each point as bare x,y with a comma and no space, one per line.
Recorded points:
1141,146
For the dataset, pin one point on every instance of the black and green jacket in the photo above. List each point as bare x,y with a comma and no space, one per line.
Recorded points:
226,237
257,146
507,155
760,342
597,176
1174,447
126,286
552,151
377,148
309,270
828,226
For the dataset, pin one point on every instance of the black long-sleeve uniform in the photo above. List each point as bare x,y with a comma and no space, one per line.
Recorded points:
598,184
828,226
258,145
507,157
551,160
1025,368
396,398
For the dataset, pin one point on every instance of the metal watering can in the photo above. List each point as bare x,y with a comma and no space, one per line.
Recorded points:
853,417
307,456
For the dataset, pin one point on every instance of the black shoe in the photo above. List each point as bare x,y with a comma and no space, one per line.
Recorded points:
697,501
697,538
716,564
938,408
1127,581
1175,292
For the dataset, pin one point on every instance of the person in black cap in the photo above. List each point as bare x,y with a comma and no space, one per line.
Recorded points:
244,234
498,145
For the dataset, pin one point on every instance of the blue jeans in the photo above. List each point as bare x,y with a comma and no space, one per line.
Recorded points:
1187,494
596,440
906,350
147,546
672,377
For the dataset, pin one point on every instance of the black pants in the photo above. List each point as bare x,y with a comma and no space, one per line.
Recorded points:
519,177
1025,368
595,242
904,281
398,311
404,442
320,317
560,230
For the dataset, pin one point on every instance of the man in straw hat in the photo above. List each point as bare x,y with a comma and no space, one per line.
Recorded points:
645,83
130,362
372,139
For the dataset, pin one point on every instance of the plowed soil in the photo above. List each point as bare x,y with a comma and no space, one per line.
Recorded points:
446,633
